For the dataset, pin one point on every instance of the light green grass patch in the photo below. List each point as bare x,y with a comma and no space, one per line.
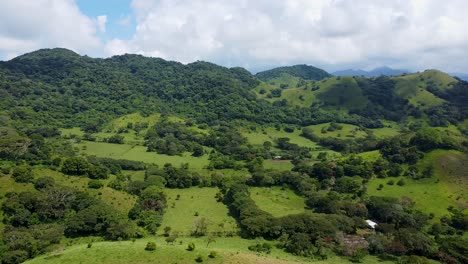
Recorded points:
69,132
180,214
348,131
277,201
432,195
138,153
230,251
271,134
282,165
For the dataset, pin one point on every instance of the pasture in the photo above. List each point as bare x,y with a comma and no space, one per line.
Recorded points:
276,201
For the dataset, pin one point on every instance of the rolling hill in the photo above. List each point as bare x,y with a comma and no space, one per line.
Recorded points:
136,159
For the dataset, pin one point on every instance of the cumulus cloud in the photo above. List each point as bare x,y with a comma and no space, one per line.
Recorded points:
101,23
412,34
29,25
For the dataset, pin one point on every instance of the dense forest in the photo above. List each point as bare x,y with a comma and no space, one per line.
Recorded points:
208,113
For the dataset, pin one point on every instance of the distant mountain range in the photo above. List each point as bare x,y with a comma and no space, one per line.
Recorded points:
373,73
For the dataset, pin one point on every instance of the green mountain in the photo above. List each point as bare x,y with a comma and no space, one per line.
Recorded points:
130,159
303,71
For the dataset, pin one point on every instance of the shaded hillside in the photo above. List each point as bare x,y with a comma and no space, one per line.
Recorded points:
303,71
372,73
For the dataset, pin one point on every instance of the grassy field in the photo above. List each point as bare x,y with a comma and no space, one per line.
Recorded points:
413,87
271,134
181,214
230,251
138,153
276,201
447,187
348,131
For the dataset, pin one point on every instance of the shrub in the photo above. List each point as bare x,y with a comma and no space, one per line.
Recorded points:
213,254
44,182
150,246
380,187
23,174
90,245
95,184
391,182
191,246
401,182
199,259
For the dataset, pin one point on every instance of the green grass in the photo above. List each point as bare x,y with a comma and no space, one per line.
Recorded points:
194,200
138,153
434,195
276,201
271,134
282,165
348,131
413,87
230,251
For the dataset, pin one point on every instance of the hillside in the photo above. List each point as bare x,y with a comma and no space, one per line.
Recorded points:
136,159
303,71
372,73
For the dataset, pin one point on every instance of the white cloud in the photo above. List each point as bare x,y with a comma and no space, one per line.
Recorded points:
29,25
101,23
414,34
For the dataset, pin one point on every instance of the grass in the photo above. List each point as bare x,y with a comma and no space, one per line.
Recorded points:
120,200
348,131
281,165
230,251
180,214
276,201
271,134
447,187
138,153
414,87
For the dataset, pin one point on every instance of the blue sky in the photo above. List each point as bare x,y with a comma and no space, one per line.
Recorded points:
255,34
117,12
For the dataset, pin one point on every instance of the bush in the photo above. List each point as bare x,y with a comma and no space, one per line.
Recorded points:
44,182
191,246
213,254
391,182
95,184
23,174
90,245
401,182
150,246
199,259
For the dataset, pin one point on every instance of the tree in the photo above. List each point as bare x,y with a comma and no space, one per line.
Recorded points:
200,226
23,174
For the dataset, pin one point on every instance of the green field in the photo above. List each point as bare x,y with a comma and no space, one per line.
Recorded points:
276,201
180,214
271,134
138,153
432,195
348,131
230,251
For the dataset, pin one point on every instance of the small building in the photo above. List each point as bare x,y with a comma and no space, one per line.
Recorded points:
371,223
277,158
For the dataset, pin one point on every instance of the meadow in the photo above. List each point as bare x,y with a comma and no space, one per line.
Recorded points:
277,201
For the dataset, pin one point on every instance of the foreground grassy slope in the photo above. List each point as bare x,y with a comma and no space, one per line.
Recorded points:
194,203
230,251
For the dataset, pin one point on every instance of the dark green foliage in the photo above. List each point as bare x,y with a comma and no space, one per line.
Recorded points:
304,72
199,259
23,174
150,246
261,248
116,139
44,182
191,246
213,254
95,184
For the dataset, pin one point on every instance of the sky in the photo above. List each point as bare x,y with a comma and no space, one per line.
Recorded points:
254,34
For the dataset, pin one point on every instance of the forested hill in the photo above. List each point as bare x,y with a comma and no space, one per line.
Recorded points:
60,88
302,71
